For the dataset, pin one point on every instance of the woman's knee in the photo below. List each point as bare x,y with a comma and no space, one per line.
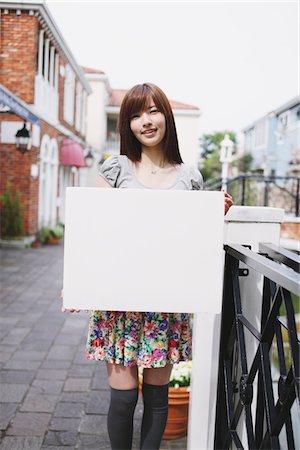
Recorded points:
157,376
122,377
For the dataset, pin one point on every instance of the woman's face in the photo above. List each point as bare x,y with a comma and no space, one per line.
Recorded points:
149,126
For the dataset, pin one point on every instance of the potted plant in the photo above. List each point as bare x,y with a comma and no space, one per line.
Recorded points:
40,237
179,397
55,235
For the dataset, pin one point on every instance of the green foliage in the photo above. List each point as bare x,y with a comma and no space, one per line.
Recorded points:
211,143
57,232
244,163
45,232
12,224
211,146
211,167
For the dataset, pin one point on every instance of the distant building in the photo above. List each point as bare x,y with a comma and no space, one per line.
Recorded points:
274,140
43,87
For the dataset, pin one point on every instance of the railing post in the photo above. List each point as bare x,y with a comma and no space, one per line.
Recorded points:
247,225
297,198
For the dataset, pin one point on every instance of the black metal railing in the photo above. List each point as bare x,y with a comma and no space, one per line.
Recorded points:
246,383
258,190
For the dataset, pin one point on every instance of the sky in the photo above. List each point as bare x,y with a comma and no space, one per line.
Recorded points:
236,61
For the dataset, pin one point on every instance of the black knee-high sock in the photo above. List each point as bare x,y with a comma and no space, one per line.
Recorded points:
120,418
155,415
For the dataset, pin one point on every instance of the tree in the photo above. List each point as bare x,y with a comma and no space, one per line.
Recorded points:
211,146
212,142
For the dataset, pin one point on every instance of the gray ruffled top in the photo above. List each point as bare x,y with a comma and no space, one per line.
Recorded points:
118,172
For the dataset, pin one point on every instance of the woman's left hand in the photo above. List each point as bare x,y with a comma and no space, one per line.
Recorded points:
228,202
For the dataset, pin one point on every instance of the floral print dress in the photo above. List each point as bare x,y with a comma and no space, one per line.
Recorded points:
146,339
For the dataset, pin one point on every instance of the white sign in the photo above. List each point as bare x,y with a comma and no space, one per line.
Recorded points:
143,250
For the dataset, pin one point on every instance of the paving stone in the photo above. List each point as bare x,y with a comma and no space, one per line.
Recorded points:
12,393
60,447
81,359
55,364
5,356
99,402
67,339
47,386
68,409
29,355
22,365
16,336
29,424
94,442
100,382
41,344
64,352
77,384
7,411
76,397
60,438
52,374
93,424
39,403
8,349
21,443
16,376
78,371
64,424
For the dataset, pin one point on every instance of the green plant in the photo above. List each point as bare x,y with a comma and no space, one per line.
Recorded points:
43,234
57,232
12,224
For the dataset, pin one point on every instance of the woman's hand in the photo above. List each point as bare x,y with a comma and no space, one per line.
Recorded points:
64,309
228,202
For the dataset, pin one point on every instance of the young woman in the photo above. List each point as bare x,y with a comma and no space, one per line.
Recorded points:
149,159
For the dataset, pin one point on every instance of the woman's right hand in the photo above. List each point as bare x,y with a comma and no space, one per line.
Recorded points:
64,309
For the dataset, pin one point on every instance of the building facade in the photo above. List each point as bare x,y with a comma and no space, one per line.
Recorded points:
45,91
274,140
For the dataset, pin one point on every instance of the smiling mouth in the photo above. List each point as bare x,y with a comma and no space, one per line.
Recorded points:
152,131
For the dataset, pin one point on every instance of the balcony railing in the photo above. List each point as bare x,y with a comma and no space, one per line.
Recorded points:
258,190
257,405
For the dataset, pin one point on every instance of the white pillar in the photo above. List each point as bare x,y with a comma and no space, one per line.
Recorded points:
243,225
41,53
46,60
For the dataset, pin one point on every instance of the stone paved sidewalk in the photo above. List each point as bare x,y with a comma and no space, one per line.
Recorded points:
51,397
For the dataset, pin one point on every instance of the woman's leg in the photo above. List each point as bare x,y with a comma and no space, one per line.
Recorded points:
155,396
123,383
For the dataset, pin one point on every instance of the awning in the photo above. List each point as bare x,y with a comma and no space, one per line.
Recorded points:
71,154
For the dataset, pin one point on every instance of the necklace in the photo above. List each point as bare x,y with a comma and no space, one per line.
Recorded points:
153,169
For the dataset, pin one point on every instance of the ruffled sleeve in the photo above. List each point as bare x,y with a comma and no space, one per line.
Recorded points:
110,170
196,179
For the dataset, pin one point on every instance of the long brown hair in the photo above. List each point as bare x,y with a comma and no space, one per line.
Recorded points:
135,101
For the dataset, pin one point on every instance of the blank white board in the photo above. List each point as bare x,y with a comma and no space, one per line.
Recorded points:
143,250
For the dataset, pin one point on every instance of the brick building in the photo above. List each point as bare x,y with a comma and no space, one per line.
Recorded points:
43,87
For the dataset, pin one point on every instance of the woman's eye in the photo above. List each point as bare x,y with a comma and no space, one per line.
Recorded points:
135,116
153,111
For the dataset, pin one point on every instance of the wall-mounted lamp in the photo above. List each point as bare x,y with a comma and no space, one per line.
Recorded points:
89,159
23,139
